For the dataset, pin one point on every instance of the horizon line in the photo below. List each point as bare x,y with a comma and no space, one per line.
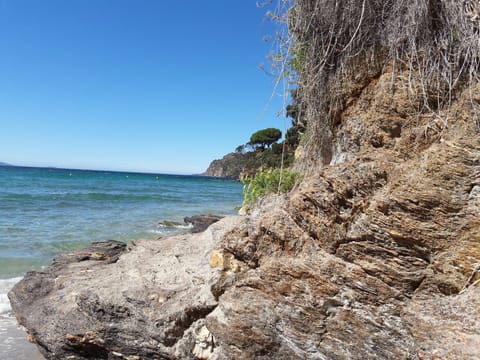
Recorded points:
140,172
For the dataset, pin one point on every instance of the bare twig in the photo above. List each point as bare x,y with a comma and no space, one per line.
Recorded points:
437,43
476,268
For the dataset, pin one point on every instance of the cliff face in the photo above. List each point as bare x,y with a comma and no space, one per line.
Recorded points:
372,257
231,166
238,165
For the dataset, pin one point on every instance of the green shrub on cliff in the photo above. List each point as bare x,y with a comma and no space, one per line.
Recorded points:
267,182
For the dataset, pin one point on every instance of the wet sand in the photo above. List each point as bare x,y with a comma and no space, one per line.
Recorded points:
13,341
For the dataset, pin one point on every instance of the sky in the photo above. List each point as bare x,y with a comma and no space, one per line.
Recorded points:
135,85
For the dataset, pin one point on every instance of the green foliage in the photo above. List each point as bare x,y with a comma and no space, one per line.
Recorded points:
455,37
292,137
267,182
294,111
298,58
265,137
250,158
277,148
240,149
272,158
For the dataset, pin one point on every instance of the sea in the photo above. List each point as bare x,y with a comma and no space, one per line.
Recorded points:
47,211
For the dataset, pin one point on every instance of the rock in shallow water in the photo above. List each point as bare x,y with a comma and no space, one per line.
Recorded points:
201,222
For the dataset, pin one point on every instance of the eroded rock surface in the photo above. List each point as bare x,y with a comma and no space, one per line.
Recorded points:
372,257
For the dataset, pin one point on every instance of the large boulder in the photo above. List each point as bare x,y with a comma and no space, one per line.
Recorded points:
147,300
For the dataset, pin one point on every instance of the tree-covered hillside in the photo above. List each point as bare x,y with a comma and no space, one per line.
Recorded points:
262,152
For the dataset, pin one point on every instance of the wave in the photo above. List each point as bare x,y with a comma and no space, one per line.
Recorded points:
169,229
174,226
13,266
5,286
63,199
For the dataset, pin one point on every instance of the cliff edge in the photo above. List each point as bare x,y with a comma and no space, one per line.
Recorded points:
231,166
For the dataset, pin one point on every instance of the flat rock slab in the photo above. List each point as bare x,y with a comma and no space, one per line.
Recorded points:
147,300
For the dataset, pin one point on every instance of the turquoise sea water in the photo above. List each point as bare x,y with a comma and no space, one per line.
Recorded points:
44,212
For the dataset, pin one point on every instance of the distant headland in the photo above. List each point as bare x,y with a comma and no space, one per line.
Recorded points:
261,152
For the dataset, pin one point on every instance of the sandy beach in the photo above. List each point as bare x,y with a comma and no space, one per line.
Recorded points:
13,341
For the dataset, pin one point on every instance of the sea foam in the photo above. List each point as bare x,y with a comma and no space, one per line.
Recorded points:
5,286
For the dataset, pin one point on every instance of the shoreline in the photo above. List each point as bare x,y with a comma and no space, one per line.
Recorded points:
14,342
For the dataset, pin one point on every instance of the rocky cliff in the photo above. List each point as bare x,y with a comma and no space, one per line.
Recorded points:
230,166
374,255
238,165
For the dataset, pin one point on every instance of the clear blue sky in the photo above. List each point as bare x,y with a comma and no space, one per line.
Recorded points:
141,85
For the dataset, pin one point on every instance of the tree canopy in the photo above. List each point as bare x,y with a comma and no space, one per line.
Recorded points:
265,138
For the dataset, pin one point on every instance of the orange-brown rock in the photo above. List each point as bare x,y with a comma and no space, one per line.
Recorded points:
372,257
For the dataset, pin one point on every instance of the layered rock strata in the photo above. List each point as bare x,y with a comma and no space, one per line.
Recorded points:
375,256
